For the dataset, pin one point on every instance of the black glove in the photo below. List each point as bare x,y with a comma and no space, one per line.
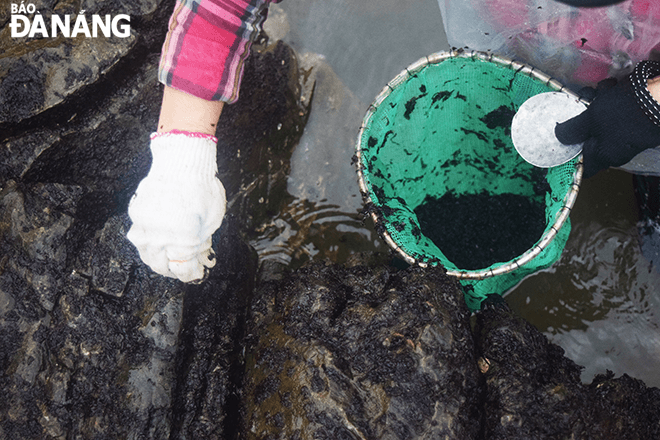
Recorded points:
621,121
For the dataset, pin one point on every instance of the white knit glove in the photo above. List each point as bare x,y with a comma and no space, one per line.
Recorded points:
178,206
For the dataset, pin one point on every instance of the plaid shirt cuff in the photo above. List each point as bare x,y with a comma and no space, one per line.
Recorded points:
207,44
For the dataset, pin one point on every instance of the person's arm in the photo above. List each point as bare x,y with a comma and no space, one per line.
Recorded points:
182,111
181,202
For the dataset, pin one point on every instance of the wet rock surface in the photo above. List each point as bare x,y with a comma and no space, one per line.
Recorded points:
533,391
40,72
361,353
95,345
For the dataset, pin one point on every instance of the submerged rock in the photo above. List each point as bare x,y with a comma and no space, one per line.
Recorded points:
533,391
361,353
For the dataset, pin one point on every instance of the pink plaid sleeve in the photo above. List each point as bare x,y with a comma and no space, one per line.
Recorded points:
207,44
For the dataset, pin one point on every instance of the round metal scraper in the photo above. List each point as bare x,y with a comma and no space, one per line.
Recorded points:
533,128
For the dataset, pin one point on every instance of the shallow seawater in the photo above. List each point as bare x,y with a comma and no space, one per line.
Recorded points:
598,301
351,48
601,301
306,231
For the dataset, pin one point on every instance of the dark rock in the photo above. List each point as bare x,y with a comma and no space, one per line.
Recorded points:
210,354
39,73
361,353
81,359
95,345
22,92
534,392
115,111
624,407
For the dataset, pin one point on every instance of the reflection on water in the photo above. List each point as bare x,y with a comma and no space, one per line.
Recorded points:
598,301
304,231
350,49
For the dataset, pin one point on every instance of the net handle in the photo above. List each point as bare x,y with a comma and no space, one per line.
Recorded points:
519,68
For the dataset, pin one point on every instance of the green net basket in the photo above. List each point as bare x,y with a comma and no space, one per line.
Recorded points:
442,127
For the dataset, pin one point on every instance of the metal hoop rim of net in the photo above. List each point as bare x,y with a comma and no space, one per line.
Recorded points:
519,68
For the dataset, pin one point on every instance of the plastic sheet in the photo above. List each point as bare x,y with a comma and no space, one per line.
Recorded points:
578,46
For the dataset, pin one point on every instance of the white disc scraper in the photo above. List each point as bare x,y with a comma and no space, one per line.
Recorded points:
533,128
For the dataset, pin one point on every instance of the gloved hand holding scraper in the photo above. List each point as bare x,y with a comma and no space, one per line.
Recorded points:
622,121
